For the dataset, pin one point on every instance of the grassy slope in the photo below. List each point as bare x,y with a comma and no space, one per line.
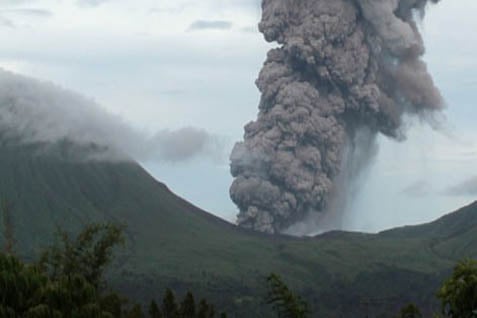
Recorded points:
172,242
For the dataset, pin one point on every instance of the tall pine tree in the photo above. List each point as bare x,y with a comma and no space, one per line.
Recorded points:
169,305
188,306
154,311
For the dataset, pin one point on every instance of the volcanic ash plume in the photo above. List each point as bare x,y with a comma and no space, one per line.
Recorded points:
343,66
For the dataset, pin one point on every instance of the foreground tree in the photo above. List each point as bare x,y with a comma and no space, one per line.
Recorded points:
205,310
154,311
188,306
6,208
170,309
20,285
134,312
283,300
410,311
68,282
458,295
28,292
87,255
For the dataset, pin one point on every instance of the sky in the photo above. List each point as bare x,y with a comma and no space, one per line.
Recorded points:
169,64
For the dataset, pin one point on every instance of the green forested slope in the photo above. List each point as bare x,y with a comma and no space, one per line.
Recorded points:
173,243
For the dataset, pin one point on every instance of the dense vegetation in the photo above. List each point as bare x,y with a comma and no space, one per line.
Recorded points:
67,282
170,243
458,294
285,302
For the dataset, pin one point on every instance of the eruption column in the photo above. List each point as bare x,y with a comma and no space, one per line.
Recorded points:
342,66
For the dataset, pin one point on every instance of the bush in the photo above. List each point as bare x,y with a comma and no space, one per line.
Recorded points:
458,294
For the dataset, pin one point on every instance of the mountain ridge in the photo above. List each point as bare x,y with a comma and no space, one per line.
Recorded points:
173,243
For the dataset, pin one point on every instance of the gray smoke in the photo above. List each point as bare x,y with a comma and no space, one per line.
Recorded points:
342,66
39,113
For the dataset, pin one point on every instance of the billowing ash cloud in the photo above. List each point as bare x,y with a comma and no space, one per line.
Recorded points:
342,67
38,113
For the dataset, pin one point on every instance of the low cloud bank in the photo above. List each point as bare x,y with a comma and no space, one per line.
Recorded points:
36,112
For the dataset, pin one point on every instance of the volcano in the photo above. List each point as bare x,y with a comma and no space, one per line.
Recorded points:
172,243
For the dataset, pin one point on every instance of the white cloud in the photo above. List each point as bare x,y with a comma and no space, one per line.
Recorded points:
4,22
91,3
31,12
210,25
15,2
38,113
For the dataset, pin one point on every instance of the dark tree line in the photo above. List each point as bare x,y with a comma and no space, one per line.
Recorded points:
186,309
67,282
457,295
285,302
